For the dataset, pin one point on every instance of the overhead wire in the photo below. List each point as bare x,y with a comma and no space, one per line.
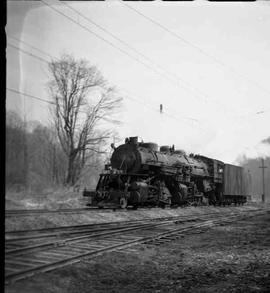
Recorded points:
31,46
188,120
127,95
131,48
28,53
42,59
91,32
262,111
248,115
30,96
106,41
189,43
52,103
131,96
195,92
200,95
35,97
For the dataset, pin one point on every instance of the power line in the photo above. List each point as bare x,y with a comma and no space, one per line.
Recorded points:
35,97
31,46
248,115
52,103
143,55
28,53
139,101
130,47
262,111
128,95
198,95
105,40
203,52
196,92
186,118
30,96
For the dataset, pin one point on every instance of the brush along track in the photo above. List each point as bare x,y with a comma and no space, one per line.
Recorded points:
27,262
32,212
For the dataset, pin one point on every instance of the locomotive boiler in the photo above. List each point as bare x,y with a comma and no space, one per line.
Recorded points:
141,174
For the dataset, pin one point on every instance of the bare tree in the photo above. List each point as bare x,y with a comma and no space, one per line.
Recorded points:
82,100
47,162
16,164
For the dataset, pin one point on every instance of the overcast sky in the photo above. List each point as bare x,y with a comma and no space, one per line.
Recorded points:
215,67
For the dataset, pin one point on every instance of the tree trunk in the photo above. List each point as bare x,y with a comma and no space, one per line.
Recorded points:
71,172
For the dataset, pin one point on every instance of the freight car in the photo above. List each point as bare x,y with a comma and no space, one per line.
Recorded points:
141,174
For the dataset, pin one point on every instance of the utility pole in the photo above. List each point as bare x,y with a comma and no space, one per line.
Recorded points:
250,183
161,108
263,185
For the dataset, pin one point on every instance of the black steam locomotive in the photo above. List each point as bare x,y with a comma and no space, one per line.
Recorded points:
140,174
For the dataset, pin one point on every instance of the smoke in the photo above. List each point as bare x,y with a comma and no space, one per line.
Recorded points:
266,141
260,150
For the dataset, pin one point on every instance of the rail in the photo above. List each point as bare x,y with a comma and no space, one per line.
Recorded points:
28,260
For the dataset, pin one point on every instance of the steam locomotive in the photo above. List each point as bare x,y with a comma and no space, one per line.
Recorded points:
141,174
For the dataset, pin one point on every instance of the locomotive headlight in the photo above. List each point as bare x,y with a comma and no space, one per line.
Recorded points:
220,170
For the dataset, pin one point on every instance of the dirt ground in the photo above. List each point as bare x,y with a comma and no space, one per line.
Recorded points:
230,258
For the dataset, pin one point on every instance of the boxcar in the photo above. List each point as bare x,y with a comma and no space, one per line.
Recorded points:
234,183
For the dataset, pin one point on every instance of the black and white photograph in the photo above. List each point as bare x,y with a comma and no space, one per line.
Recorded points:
137,146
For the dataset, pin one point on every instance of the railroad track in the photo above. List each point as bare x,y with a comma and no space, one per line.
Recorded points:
23,240
18,235
31,212
31,256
